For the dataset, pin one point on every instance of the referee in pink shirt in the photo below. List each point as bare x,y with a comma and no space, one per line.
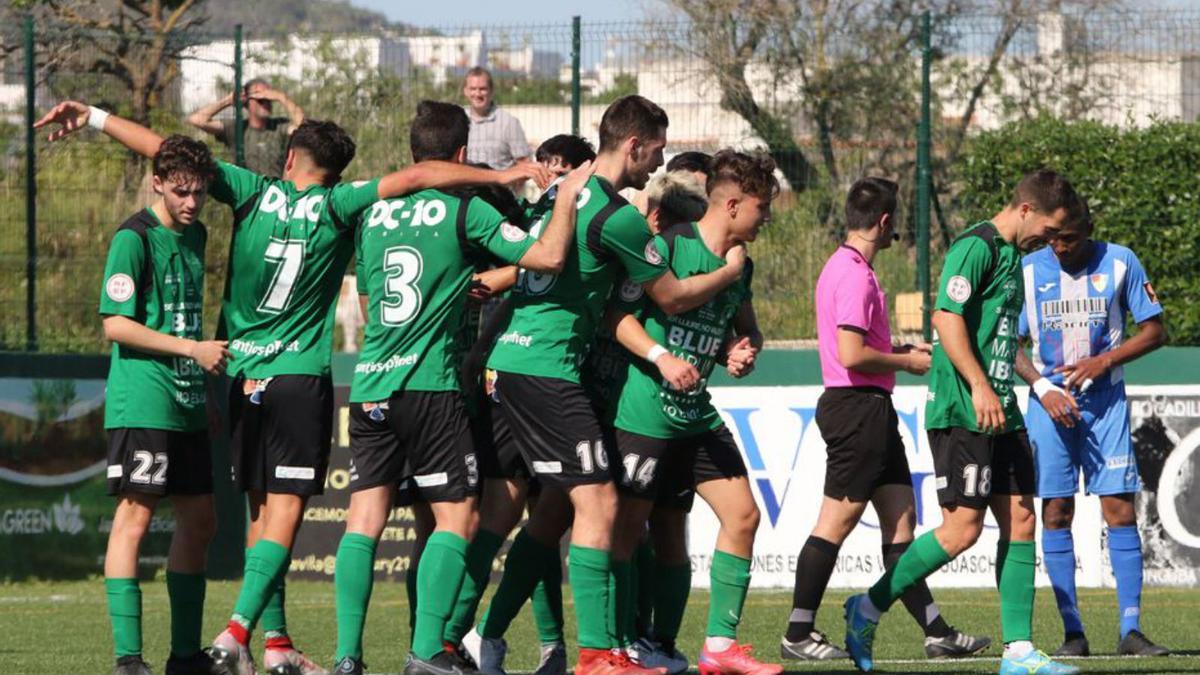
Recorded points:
865,459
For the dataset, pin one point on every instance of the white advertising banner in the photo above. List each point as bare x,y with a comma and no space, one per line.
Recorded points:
785,455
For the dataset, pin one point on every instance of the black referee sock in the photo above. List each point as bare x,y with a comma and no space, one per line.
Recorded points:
917,600
813,570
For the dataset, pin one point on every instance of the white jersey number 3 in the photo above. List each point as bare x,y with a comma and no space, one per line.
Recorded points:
402,297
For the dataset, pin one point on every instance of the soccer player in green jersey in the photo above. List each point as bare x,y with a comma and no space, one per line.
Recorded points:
293,238
415,259
981,454
670,438
537,359
155,404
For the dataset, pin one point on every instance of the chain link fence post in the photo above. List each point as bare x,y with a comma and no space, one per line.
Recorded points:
239,145
30,192
924,174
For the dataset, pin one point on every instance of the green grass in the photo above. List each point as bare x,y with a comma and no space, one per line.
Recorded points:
55,628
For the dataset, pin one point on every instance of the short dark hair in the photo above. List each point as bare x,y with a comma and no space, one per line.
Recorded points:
438,131
253,81
501,198
753,173
330,147
1048,191
480,71
692,160
869,199
573,150
630,116
181,157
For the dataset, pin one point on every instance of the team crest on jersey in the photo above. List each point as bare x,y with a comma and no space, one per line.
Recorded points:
119,287
652,255
511,232
1099,282
630,291
958,288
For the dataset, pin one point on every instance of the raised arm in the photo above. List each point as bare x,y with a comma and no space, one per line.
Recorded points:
439,174
549,253
952,332
294,112
203,120
210,354
72,116
632,335
676,296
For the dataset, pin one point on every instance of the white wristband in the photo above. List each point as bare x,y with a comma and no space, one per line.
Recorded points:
1044,386
656,352
97,118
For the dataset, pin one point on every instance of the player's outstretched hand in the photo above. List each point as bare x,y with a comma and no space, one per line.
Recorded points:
680,374
1061,407
917,361
212,355
71,116
577,178
1080,375
523,171
989,414
479,292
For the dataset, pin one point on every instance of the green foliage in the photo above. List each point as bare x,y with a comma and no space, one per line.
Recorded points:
1141,186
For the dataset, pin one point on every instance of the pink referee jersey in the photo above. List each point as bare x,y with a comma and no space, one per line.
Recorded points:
849,296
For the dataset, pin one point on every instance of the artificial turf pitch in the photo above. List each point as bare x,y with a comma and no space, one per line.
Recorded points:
62,627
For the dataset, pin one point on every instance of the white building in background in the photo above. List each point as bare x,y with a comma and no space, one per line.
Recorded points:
526,61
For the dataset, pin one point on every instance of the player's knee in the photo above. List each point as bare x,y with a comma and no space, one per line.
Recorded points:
1118,511
742,523
198,525
958,537
1058,513
131,522
1022,526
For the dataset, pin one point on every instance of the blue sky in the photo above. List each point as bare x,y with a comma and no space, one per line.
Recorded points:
459,12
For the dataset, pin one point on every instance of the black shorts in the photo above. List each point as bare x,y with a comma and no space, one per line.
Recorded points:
499,456
668,470
972,466
281,435
159,462
422,436
863,448
555,429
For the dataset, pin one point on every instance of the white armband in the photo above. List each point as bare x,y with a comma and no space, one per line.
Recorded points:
97,118
1044,386
655,353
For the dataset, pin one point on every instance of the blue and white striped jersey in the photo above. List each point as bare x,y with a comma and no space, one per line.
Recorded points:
1071,317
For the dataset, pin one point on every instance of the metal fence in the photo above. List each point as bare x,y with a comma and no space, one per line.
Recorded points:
833,98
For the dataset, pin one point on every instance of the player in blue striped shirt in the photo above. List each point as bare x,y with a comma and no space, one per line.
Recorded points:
1079,294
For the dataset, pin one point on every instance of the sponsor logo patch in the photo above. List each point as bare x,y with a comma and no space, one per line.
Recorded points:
431,479
652,255
119,287
295,472
115,470
958,288
512,233
547,467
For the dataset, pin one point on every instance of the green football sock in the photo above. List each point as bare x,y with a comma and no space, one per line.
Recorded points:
266,563
522,570
439,579
672,585
480,556
186,593
620,608
274,621
1015,565
730,579
547,600
125,611
353,579
643,576
410,591
589,569
924,557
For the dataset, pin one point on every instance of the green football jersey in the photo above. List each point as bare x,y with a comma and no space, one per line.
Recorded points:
155,276
416,255
555,317
605,369
289,253
647,404
981,281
